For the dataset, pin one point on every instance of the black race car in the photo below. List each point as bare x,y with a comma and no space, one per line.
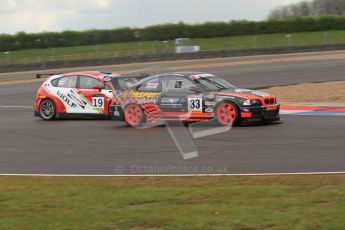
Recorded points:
188,96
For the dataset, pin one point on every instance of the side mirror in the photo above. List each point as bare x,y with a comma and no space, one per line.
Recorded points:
97,87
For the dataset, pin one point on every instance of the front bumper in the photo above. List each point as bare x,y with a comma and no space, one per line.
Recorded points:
260,114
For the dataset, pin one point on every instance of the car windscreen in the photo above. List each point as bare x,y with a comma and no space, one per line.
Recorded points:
212,83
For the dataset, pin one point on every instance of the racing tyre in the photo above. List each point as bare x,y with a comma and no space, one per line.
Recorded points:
47,110
226,113
134,115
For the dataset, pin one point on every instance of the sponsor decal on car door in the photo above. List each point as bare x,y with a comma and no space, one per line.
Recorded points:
95,93
96,99
72,99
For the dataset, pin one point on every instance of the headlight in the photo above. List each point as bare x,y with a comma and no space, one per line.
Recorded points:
251,102
246,102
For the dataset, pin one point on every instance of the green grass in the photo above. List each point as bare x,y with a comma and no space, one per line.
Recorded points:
299,202
150,47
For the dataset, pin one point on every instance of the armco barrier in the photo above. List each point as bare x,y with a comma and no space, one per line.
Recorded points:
164,57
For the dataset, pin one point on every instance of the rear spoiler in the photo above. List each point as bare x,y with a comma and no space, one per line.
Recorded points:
127,80
39,75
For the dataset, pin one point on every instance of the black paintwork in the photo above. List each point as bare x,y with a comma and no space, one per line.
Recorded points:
177,101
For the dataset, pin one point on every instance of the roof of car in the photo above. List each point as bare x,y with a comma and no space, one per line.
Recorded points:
86,73
96,74
181,74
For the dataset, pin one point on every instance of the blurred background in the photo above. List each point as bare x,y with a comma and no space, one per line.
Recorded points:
45,34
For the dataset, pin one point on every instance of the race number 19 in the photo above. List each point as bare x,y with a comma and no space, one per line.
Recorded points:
98,102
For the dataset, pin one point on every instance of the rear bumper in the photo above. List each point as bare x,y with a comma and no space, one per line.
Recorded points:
261,114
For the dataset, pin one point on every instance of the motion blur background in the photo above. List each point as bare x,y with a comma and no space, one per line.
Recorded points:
44,34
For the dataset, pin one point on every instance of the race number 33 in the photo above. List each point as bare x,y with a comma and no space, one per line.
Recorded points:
98,102
195,104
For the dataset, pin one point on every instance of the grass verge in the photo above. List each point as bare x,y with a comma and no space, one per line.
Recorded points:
285,202
136,48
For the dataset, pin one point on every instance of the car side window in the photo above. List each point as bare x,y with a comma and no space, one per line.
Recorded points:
66,82
88,82
153,85
175,83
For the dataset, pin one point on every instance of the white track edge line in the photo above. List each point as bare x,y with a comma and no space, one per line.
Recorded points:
15,106
175,175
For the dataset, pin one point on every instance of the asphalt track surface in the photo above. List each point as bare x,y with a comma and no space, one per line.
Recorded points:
103,147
